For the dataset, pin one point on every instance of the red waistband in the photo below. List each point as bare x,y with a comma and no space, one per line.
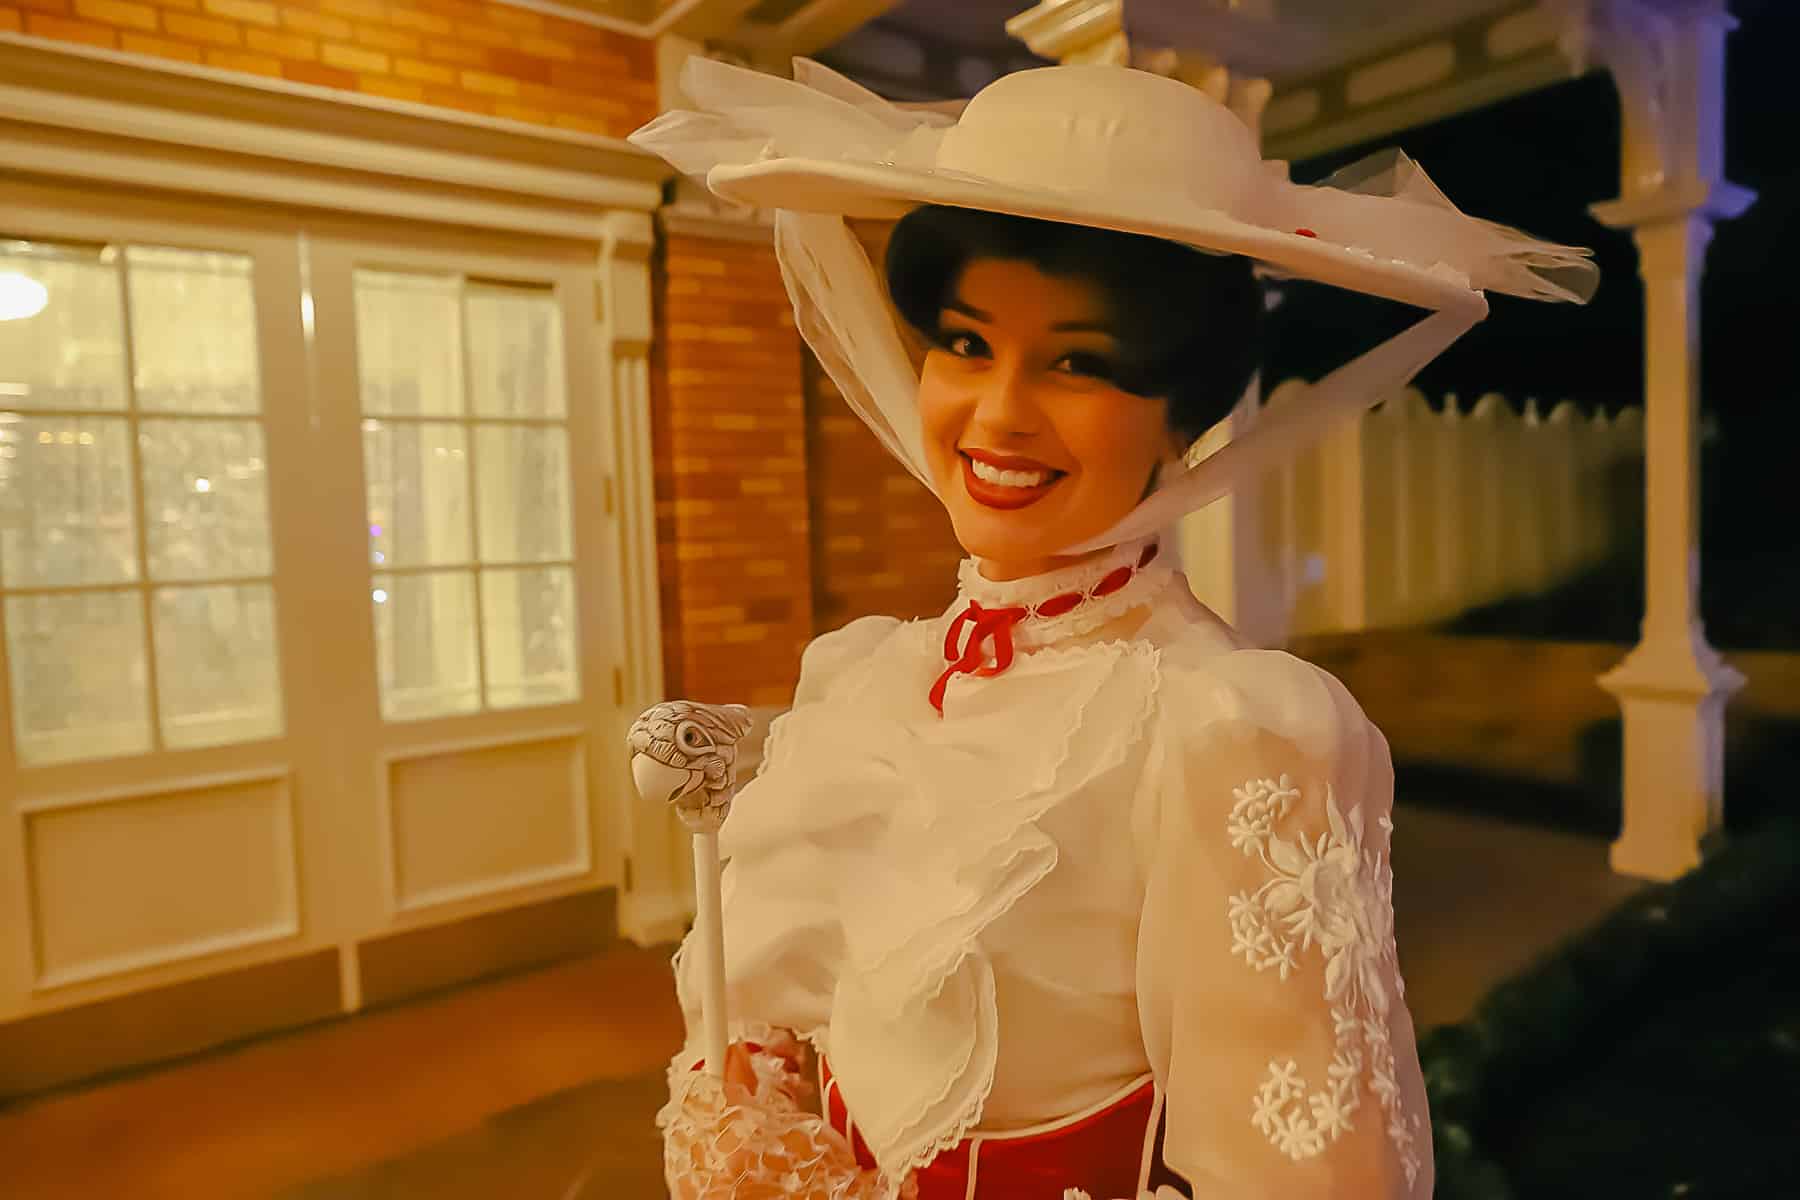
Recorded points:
1102,1152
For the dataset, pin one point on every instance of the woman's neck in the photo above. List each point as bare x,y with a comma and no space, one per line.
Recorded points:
1064,603
1010,570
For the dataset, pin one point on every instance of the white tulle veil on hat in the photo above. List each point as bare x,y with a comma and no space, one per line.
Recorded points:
1103,146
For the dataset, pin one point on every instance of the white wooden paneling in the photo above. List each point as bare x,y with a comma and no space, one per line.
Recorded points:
485,818
127,880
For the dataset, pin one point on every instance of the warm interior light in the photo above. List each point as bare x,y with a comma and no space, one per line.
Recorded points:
21,296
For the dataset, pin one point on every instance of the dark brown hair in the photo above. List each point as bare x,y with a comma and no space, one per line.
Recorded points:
1189,323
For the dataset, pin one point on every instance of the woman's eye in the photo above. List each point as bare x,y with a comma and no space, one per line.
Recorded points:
963,344
1092,366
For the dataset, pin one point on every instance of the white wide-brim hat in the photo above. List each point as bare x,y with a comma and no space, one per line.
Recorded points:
1102,146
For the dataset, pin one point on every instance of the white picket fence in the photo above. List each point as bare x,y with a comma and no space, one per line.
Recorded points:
1412,515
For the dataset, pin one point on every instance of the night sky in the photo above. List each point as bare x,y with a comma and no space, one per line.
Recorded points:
1538,161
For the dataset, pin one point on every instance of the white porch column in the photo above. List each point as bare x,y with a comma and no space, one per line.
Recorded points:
1226,550
1074,31
1668,58
1093,31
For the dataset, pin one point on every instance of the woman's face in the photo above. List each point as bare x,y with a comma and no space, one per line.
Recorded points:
1031,445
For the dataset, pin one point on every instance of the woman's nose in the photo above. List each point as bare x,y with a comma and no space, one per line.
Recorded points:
1004,403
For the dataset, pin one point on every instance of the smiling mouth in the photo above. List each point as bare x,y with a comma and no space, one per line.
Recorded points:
1006,488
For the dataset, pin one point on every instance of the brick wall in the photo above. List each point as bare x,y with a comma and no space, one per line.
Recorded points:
483,58
881,542
779,516
729,431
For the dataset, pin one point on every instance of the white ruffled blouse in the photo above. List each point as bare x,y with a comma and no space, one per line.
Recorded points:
1156,852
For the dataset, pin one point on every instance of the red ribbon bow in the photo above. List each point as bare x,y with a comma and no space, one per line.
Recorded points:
996,625
990,625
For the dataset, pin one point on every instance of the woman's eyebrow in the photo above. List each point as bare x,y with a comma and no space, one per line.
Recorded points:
968,310
1085,325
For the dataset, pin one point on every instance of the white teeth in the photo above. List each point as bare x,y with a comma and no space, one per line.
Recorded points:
1018,479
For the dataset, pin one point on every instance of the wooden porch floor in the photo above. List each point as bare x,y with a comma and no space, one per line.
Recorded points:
543,1086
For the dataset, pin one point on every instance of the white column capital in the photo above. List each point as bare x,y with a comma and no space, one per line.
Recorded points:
1667,58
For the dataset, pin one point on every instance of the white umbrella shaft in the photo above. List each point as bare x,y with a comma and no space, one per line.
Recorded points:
710,924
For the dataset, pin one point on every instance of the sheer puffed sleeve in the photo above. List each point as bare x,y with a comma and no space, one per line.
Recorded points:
1270,995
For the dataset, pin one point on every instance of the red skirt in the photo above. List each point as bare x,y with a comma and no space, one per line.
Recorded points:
1110,1150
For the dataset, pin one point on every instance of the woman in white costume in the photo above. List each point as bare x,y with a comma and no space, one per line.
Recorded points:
1069,889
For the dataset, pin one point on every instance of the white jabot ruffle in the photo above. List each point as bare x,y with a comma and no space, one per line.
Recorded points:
926,828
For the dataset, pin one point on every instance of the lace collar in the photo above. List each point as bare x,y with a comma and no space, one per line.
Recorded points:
992,621
1071,601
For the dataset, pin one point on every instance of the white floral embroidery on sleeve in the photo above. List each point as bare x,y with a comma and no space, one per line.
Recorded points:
1338,895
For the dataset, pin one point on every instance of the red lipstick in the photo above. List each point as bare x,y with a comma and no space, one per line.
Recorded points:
997,495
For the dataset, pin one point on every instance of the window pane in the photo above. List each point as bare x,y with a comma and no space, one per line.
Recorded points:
205,495
522,485
408,348
79,683
515,352
66,504
528,636
425,644
216,679
418,482
193,331
62,328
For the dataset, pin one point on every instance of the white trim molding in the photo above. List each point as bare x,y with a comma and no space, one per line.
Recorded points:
809,29
103,117
694,212
655,899
1485,58
660,18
